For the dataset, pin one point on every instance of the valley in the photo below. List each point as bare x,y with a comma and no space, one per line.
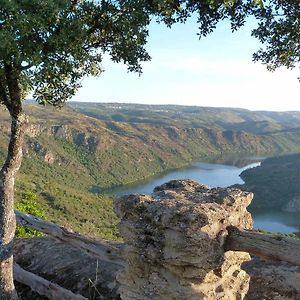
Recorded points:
75,155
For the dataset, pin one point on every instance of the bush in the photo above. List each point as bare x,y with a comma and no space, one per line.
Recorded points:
28,205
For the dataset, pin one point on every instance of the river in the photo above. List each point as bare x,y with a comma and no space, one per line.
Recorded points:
220,175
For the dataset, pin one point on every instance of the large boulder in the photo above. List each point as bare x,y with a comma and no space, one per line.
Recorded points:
174,243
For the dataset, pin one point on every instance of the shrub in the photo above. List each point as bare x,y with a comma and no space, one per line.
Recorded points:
27,204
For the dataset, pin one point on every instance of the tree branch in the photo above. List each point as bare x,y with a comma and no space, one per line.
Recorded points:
269,246
44,287
93,247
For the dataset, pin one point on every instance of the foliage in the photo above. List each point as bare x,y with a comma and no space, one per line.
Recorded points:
275,182
47,47
279,31
238,119
92,155
278,26
28,204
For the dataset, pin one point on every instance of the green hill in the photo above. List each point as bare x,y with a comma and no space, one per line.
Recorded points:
74,155
276,183
191,116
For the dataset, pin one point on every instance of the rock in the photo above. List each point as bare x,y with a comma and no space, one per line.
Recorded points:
272,280
174,250
174,241
47,154
62,132
34,130
49,157
293,205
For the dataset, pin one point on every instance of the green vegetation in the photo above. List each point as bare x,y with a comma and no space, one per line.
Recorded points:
27,204
257,122
70,205
49,52
107,154
71,159
275,183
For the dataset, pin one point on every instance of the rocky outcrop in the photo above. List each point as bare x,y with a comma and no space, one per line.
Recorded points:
47,155
34,130
174,249
293,205
175,241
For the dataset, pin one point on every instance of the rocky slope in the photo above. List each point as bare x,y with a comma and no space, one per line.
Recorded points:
70,158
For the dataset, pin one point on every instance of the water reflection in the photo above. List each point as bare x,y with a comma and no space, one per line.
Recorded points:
221,175
276,221
213,175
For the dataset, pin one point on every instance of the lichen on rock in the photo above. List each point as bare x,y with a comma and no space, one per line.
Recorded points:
175,239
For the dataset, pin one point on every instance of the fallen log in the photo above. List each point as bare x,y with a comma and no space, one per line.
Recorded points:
67,266
94,247
269,246
44,287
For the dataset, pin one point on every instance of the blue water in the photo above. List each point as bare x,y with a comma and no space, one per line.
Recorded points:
220,175
213,175
276,221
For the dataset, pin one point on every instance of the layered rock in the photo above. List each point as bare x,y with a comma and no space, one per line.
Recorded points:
174,241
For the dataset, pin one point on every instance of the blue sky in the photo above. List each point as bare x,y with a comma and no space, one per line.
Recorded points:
214,71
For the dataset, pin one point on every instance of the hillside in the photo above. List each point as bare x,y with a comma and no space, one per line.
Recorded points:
71,158
256,122
276,183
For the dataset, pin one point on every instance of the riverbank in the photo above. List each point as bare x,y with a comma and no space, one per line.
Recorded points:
221,175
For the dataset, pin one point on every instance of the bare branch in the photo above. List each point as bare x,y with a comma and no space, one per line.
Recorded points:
44,287
93,247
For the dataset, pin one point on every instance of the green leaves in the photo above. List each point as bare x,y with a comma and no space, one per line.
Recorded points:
52,45
28,205
279,31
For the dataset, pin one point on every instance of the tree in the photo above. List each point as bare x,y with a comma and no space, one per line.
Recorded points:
47,47
279,31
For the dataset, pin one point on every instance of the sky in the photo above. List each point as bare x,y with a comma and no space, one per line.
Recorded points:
214,71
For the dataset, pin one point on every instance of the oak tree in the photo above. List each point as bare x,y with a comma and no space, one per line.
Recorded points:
47,47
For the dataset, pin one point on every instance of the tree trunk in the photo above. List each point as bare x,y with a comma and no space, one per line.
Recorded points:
7,216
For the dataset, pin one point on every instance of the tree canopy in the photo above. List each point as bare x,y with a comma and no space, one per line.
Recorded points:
279,31
47,47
